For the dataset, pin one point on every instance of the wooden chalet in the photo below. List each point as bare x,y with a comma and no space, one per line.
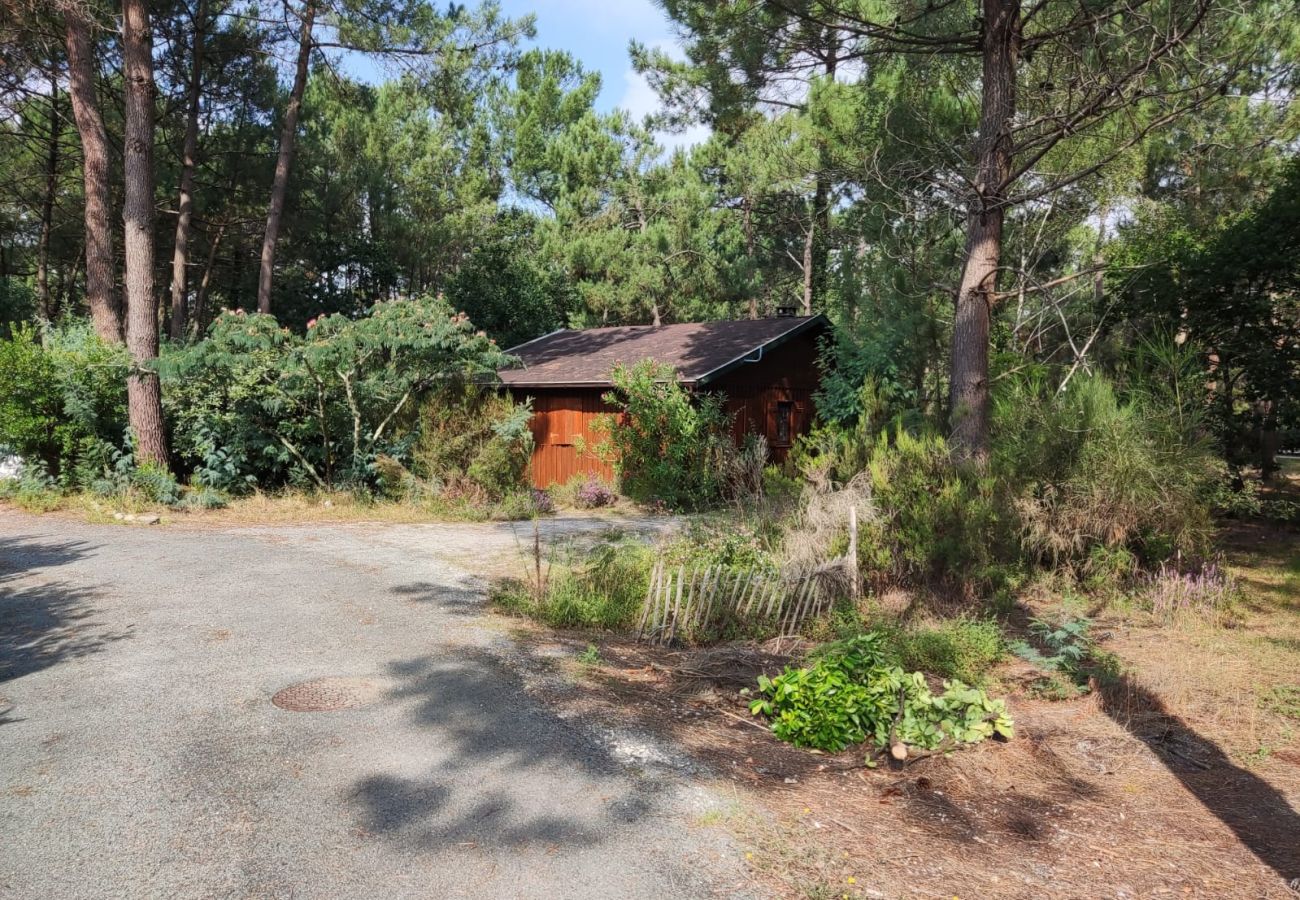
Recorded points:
765,368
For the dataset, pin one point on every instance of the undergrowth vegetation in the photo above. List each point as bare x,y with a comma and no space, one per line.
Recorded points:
850,692
962,648
394,405
1087,468
667,446
602,588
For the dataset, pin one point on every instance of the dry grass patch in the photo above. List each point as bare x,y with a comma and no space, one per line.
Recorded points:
1230,683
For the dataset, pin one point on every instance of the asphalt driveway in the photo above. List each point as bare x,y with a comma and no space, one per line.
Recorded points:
141,756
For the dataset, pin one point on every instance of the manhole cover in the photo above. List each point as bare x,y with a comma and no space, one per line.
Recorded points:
328,694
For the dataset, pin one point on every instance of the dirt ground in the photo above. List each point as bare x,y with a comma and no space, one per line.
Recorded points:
1183,779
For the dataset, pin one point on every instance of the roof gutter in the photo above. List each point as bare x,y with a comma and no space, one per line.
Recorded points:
817,321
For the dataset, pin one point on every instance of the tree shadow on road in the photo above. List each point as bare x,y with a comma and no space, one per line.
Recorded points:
504,771
45,622
465,598
1256,811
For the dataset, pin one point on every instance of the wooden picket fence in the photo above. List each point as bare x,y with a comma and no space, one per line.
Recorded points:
694,601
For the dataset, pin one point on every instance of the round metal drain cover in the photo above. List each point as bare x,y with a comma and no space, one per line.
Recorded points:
329,694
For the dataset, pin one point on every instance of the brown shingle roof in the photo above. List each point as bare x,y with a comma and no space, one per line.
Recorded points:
698,351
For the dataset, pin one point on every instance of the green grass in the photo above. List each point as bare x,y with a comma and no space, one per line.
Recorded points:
1284,699
604,593
962,648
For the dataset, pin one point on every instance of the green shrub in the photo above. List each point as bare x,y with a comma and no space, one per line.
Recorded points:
121,479
319,408
666,445
204,498
33,490
1090,468
470,435
727,543
850,693
17,304
501,464
239,392
523,503
963,649
780,489
936,521
62,400
1064,647
605,592
156,485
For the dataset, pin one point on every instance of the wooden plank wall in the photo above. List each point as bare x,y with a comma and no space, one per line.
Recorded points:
753,409
788,374
562,419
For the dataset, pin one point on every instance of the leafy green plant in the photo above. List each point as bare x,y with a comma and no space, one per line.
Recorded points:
220,469
121,478
936,520
850,693
1067,644
723,542
156,485
1068,651
62,399
33,489
1091,466
501,464
320,408
471,438
665,444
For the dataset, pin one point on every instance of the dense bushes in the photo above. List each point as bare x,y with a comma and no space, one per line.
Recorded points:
938,521
1088,476
666,445
62,401
1090,468
319,408
922,519
471,441
255,405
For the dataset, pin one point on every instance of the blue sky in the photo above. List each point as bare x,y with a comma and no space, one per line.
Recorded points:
597,33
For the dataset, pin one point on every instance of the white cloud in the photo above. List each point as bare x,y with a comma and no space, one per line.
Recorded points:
640,100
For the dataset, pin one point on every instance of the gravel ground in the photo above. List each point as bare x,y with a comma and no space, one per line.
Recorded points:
140,755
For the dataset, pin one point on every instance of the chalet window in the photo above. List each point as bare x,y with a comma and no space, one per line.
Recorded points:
784,417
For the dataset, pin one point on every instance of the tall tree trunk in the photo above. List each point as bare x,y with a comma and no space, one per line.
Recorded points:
749,255
185,202
101,294
205,284
809,240
47,205
280,184
819,258
968,399
144,395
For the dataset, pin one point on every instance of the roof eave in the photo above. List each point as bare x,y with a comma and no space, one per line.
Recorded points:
555,385
817,321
